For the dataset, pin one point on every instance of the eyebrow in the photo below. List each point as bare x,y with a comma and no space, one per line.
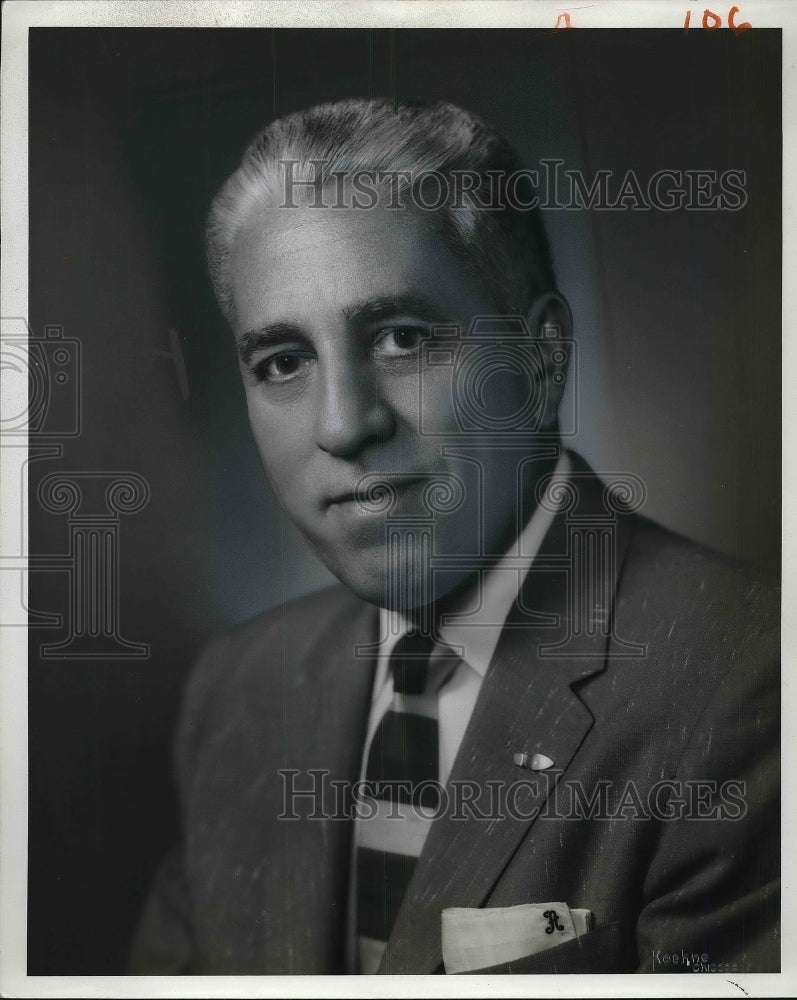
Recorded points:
273,335
392,305
368,311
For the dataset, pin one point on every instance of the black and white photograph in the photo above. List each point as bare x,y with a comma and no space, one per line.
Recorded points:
395,511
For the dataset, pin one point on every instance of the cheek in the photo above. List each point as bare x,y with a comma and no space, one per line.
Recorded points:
281,441
427,404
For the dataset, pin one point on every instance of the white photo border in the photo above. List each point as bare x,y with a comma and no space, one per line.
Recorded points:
18,17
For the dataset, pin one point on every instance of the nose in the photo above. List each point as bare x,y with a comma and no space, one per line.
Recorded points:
350,413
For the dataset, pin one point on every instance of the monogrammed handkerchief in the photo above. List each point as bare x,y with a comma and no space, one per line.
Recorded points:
478,938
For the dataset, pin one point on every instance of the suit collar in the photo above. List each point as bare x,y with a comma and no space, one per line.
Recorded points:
557,634
480,633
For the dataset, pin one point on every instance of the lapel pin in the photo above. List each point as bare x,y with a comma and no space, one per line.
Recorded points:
533,762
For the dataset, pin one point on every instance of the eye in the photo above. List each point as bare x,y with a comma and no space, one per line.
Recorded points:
399,341
281,368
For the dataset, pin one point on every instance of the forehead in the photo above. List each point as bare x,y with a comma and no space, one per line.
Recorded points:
292,264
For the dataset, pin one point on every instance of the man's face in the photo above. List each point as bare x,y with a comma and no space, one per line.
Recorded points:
331,307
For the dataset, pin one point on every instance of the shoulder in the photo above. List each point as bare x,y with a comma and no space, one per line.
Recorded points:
669,586
301,619
709,627
254,654
661,573
672,575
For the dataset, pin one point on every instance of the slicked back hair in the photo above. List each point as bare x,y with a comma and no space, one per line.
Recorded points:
505,247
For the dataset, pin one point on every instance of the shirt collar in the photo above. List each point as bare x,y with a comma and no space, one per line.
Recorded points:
476,622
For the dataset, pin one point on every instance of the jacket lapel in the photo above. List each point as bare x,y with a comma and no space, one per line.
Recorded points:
526,706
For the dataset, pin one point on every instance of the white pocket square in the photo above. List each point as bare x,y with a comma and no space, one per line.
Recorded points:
478,938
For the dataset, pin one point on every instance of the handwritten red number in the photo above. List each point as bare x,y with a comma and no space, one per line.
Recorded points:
712,21
744,26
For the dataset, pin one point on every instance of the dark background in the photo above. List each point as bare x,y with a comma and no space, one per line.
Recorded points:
677,319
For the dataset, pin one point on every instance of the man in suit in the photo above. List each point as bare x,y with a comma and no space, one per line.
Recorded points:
531,731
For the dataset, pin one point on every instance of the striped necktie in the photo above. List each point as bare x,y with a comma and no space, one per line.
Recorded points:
402,773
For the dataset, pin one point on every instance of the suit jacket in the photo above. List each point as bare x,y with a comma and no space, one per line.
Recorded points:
651,684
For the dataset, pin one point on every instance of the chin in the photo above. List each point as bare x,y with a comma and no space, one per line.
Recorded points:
365,572
369,583
365,577
372,589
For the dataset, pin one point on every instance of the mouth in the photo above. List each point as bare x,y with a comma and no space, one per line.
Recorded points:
375,496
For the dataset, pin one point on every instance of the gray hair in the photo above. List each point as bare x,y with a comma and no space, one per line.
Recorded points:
505,247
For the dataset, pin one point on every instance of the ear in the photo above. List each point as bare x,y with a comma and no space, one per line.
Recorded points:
550,323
